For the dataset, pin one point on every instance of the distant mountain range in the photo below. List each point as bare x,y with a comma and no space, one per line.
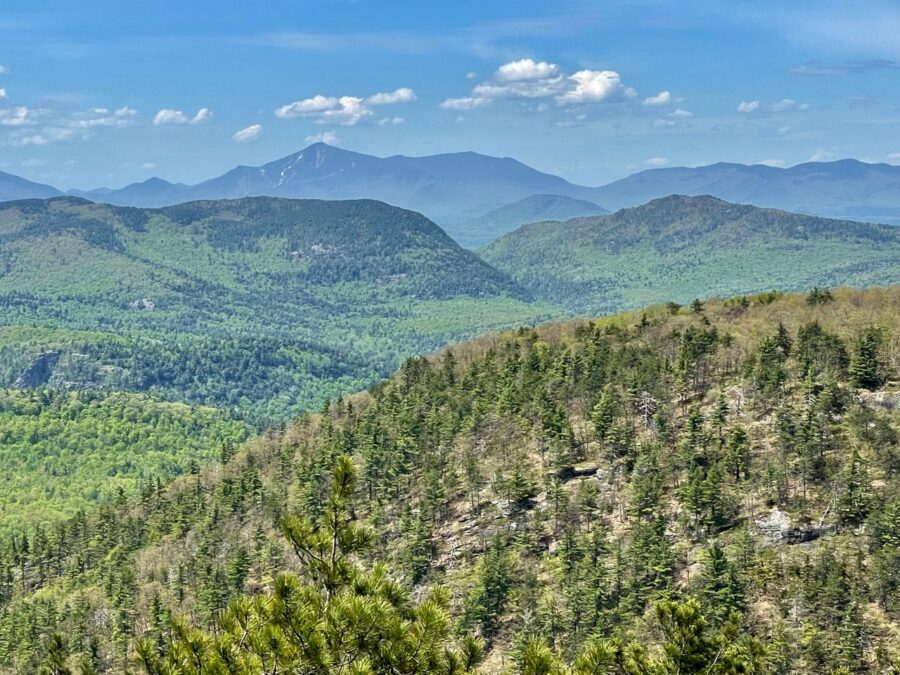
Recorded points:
448,188
536,208
843,189
13,187
477,198
679,248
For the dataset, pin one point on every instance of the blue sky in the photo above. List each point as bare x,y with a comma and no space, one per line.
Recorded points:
98,92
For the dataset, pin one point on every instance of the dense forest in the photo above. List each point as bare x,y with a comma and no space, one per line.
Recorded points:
263,306
63,452
678,248
702,489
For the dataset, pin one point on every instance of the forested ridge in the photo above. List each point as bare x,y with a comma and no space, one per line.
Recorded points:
263,306
679,248
702,489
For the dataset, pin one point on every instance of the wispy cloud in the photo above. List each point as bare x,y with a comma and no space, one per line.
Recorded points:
819,69
327,137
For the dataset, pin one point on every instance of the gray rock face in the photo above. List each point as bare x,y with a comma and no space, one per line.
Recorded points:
38,373
777,528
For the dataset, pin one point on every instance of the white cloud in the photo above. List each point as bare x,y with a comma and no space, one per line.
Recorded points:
662,98
786,104
34,163
327,137
401,95
390,121
663,124
3,69
147,166
775,163
248,134
169,116
747,106
530,79
203,115
17,117
3,95
593,86
656,161
344,110
526,69
682,113
822,156
465,103
317,103
46,136
894,156
125,111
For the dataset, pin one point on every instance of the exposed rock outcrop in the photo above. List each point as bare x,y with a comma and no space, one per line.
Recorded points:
38,373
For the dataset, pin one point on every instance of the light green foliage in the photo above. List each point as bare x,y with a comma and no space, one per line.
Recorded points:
63,452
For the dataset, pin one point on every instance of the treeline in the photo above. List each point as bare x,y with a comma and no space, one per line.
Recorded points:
698,489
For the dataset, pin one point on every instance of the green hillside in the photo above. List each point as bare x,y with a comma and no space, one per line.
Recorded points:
706,490
63,452
263,305
680,248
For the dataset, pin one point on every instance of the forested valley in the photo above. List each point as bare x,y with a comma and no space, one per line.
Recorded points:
709,488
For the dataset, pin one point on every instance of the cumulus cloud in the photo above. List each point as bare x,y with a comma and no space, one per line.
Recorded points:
656,161
527,69
344,110
401,95
662,98
680,112
170,116
530,79
747,106
3,94
592,86
248,134
203,115
327,137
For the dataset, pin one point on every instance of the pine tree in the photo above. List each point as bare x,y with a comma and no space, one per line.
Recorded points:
865,366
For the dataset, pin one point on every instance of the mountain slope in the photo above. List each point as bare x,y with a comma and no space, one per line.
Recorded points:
564,485
13,187
447,188
679,248
846,189
261,303
536,208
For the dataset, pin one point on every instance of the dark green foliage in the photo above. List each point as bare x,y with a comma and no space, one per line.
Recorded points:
678,248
